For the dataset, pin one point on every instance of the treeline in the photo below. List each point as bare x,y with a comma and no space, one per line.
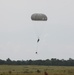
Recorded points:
47,62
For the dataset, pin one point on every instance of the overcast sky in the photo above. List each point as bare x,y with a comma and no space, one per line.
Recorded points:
19,34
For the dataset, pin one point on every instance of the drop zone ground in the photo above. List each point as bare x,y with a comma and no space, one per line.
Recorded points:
35,70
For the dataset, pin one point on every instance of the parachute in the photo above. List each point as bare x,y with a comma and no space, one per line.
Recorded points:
39,17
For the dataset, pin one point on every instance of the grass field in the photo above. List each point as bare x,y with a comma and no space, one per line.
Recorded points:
33,70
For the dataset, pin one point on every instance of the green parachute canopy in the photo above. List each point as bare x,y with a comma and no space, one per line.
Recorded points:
39,17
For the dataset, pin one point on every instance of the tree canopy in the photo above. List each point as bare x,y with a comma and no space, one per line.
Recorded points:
47,62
